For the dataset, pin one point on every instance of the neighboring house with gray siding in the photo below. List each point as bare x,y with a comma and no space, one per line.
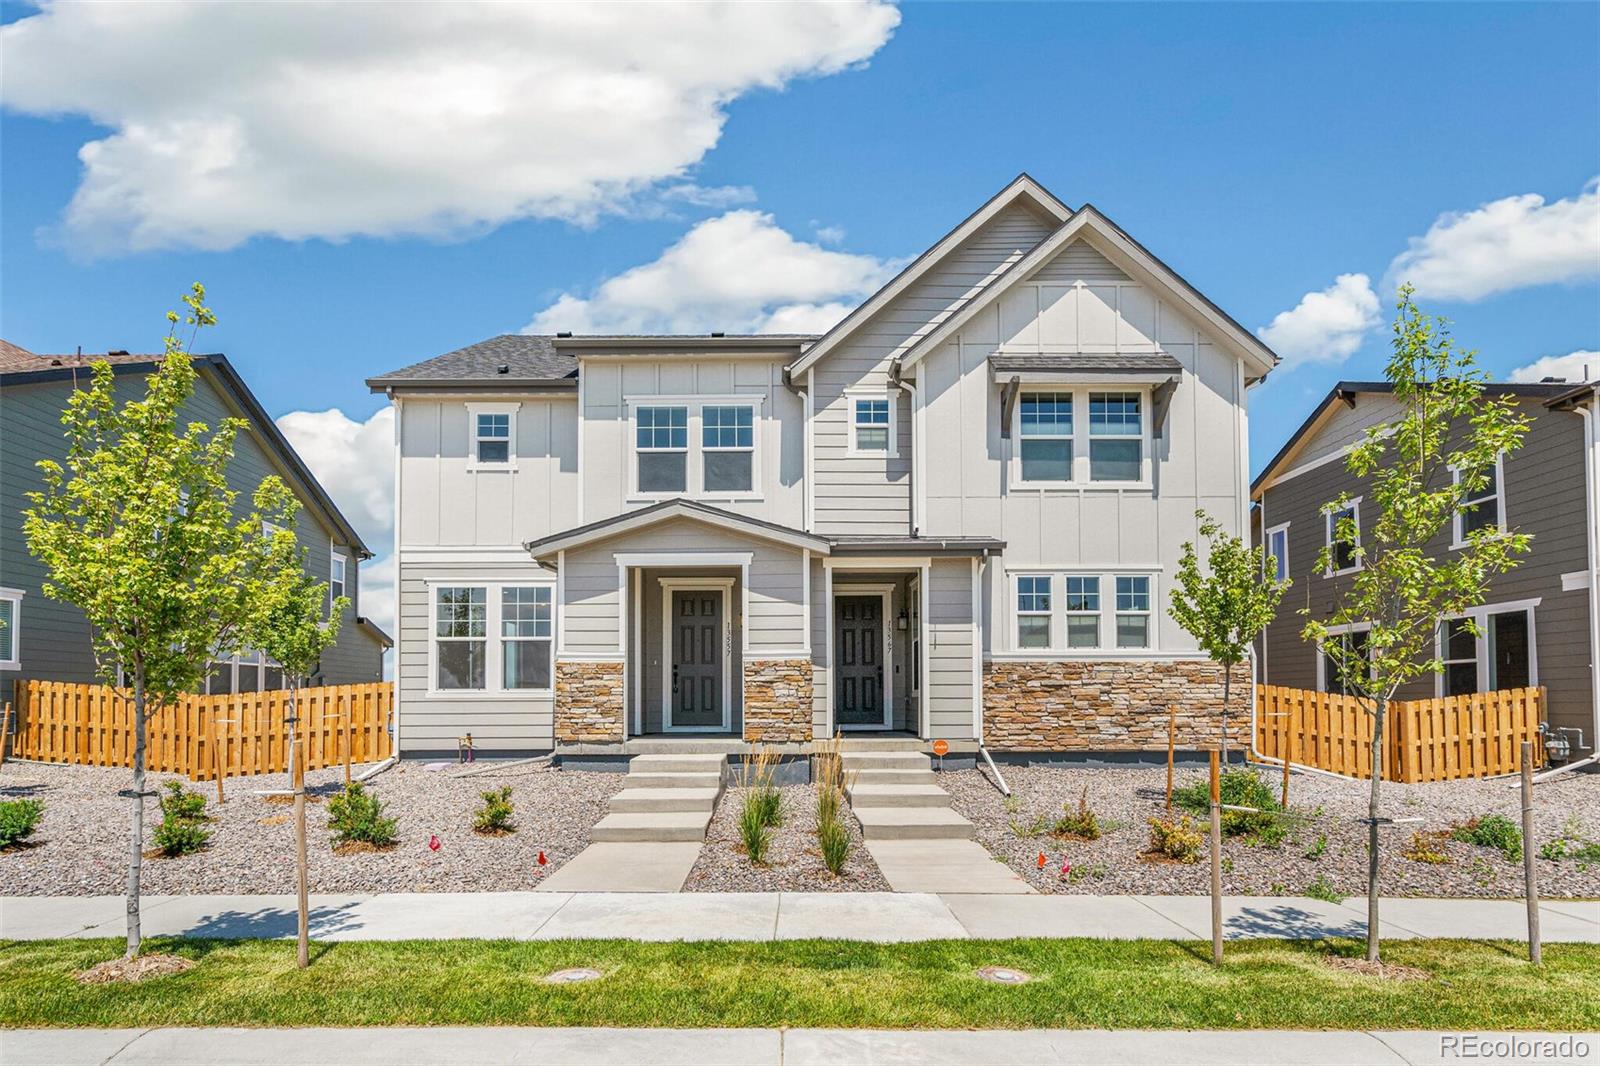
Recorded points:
977,485
1538,623
48,639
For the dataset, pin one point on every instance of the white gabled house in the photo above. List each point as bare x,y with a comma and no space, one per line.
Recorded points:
953,516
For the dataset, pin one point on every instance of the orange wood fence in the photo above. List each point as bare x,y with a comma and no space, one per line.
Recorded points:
1477,735
243,734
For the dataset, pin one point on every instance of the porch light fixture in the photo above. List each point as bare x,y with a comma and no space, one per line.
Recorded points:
902,620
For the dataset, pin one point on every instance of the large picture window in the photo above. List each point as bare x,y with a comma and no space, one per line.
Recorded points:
662,440
1046,445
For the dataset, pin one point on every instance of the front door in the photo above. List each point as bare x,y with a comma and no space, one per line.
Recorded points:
859,640
696,680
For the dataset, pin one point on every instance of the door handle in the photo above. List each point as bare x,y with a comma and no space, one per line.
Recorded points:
674,677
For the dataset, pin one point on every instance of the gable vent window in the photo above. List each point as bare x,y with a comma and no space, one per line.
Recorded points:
663,446
728,442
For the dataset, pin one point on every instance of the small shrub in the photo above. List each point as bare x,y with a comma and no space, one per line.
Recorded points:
355,816
1320,848
1492,831
494,816
1427,847
18,819
1080,824
1323,889
753,831
833,839
182,803
1175,838
182,827
1238,788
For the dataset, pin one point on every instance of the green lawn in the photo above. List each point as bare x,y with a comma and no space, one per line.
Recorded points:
1079,984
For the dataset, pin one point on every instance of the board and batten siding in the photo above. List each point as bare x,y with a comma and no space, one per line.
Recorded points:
1197,459
872,494
1543,496
54,636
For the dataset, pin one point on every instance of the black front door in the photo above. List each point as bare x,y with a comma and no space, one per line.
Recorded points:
696,660
859,641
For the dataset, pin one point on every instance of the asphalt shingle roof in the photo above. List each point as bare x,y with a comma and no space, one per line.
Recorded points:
526,358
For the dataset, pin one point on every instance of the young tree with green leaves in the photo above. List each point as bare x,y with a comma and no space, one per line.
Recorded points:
294,623
1226,607
1418,472
140,530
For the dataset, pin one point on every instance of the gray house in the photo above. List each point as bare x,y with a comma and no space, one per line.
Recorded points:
954,516
1538,625
49,640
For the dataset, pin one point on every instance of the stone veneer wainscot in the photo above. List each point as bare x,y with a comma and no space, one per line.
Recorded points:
1083,705
588,706
777,700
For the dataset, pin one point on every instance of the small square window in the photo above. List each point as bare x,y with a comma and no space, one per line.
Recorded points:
870,425
494,438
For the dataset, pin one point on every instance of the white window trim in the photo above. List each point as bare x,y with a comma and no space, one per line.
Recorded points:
1149,612
889,395
1327,542
14,597
1266,541
1018,614
1480,616
1338,631
1072,482
694,453
335,555
1458,539
473,411
1080,481
494,666
1107,647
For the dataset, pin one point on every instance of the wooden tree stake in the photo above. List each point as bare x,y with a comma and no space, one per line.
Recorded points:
1172,740
303,953
1530,879
1216,857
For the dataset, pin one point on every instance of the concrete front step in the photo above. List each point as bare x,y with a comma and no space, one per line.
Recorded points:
898,796
858,744
657,827
884,760
663,800
671,780
912,823
677,763
891,777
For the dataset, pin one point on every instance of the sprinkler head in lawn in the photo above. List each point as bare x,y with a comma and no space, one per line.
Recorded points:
1003,975
573,976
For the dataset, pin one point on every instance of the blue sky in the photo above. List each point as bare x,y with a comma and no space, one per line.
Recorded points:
1262,151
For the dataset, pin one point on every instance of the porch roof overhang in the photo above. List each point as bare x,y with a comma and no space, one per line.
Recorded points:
666,511
884,545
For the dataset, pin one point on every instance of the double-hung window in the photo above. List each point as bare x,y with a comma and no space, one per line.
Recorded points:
1133,611
727,445
1460,656
1046,445
1482,507
525,637
493,438
1344,537
1083,611
1033,611
10,630
338,563
1116,436
461,628
1277,559
871,425
662,443
1355,648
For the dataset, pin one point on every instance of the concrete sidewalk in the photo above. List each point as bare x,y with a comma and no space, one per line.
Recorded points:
760,1047
754,916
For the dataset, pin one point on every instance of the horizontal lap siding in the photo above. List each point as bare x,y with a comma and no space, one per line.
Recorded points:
949,625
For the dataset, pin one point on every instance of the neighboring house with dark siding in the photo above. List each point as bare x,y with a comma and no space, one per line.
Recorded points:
1538,622
48,639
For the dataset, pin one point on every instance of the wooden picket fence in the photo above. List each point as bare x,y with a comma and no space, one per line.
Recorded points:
240,734
1477,735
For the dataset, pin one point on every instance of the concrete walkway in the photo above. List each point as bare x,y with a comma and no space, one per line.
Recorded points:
874,916
770,1047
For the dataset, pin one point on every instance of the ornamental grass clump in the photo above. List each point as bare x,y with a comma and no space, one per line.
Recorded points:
18,819
833,839
754,834
183,815
355,817
494,817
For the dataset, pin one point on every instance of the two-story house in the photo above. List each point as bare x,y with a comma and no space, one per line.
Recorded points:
953,516
49,640
1539,624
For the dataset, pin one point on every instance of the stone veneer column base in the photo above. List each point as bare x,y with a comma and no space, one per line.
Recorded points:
777,700
589,705
1086,705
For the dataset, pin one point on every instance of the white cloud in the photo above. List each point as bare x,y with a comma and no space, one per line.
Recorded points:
1576,367
738,273
333,120
1326,326
1506,244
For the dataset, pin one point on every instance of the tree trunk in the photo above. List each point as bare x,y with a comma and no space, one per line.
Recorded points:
1227,688
1379,713
136,822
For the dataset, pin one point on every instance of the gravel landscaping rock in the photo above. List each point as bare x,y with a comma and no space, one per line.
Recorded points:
80,846
793,865
1329,844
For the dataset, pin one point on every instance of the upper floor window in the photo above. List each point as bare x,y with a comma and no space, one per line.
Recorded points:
1482,507
872,428
10,630
1277,545
494,435
1116,436
1033,611
1344,537
1046,445
662,441
728,444
337,566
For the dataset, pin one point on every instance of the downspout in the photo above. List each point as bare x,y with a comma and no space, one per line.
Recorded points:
1591,495
916,445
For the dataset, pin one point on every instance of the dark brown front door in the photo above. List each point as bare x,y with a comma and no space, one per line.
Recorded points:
859,640
696,660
